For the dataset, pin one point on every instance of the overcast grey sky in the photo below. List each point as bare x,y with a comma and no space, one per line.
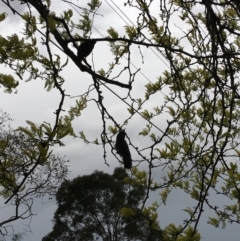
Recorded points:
34,103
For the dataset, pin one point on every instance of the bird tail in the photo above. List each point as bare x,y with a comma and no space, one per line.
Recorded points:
127,162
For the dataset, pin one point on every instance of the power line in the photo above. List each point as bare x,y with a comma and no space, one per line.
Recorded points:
135,68
136,27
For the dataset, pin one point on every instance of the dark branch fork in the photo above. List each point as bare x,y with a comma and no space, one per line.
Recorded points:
43,11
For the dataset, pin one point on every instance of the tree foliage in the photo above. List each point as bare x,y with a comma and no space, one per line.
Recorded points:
197,93
23,177
89,209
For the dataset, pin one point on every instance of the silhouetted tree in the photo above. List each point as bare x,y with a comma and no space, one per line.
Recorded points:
89,206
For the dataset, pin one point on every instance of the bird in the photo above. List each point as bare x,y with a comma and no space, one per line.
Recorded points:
123,150
86,48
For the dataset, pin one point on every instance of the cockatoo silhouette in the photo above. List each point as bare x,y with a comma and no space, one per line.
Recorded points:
123,150
86,48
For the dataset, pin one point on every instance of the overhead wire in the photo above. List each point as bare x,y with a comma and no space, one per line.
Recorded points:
114,93
103,83
123,99
136,27
133,65
141,74
123,56
139,71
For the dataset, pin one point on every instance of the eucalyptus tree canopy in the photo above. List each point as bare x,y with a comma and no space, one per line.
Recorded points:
89,209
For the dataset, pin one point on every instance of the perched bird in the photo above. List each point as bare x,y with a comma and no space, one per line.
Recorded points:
123,150
85,48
